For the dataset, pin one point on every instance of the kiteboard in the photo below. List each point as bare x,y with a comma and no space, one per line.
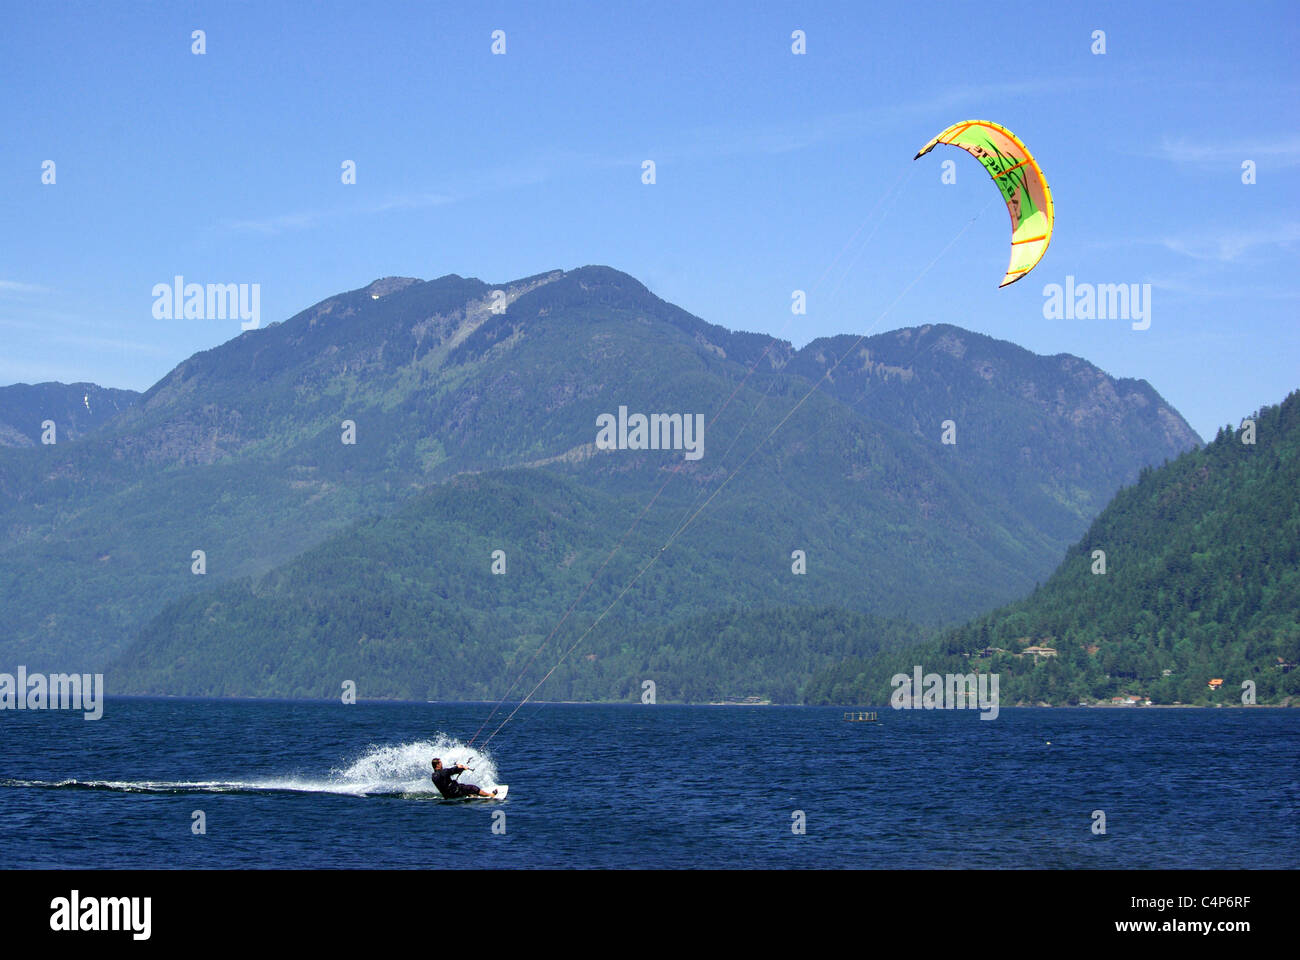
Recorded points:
500,788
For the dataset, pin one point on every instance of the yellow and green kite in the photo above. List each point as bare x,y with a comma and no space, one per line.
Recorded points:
1017,174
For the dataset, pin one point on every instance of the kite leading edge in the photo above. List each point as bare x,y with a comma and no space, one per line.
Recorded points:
1017,174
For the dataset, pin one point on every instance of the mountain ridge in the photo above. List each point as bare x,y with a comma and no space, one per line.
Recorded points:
77,409
237,451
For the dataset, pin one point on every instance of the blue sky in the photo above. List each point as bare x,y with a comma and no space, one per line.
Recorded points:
775,172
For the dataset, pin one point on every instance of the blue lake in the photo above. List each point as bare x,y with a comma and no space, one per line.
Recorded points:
314,784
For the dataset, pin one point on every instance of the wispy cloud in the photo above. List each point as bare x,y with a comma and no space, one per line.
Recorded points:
799,133
1200,287
304,220
412,202
278,224
980,93
15,288
712,141
1235,245
32,372
44,326
1281,151
1211,246
115,343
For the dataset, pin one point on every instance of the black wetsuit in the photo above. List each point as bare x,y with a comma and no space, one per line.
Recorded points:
449,788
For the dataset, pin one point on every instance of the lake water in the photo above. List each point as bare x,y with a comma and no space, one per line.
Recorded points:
313,784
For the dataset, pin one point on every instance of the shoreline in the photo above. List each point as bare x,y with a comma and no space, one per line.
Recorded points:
884,708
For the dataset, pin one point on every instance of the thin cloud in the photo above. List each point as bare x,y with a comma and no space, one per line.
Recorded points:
113,343
979,93
16,288
1236,245
700,143
1201,287
1281,151
87,342
413,202
307,219
271,225
800,134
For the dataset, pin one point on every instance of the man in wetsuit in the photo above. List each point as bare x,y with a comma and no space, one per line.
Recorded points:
451,789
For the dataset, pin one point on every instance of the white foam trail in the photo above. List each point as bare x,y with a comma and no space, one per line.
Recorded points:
402,770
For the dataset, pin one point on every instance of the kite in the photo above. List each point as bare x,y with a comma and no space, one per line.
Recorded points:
1017,174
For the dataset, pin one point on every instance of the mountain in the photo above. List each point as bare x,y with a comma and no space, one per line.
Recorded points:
1029,421
408,606
1201,582
76,409
240,453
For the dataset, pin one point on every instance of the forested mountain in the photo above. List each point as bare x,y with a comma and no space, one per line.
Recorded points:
408,606
1201,583
242,453
75,408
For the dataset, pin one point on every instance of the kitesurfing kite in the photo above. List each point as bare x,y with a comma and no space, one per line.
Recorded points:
1016,172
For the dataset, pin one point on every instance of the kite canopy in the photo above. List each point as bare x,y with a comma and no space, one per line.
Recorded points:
1016,172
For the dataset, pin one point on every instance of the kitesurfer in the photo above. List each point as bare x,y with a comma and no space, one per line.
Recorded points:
451,789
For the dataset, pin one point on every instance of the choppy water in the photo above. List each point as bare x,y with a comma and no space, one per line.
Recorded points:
309,784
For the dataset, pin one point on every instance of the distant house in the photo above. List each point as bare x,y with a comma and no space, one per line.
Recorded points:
1166,673
1216,683
1037,651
